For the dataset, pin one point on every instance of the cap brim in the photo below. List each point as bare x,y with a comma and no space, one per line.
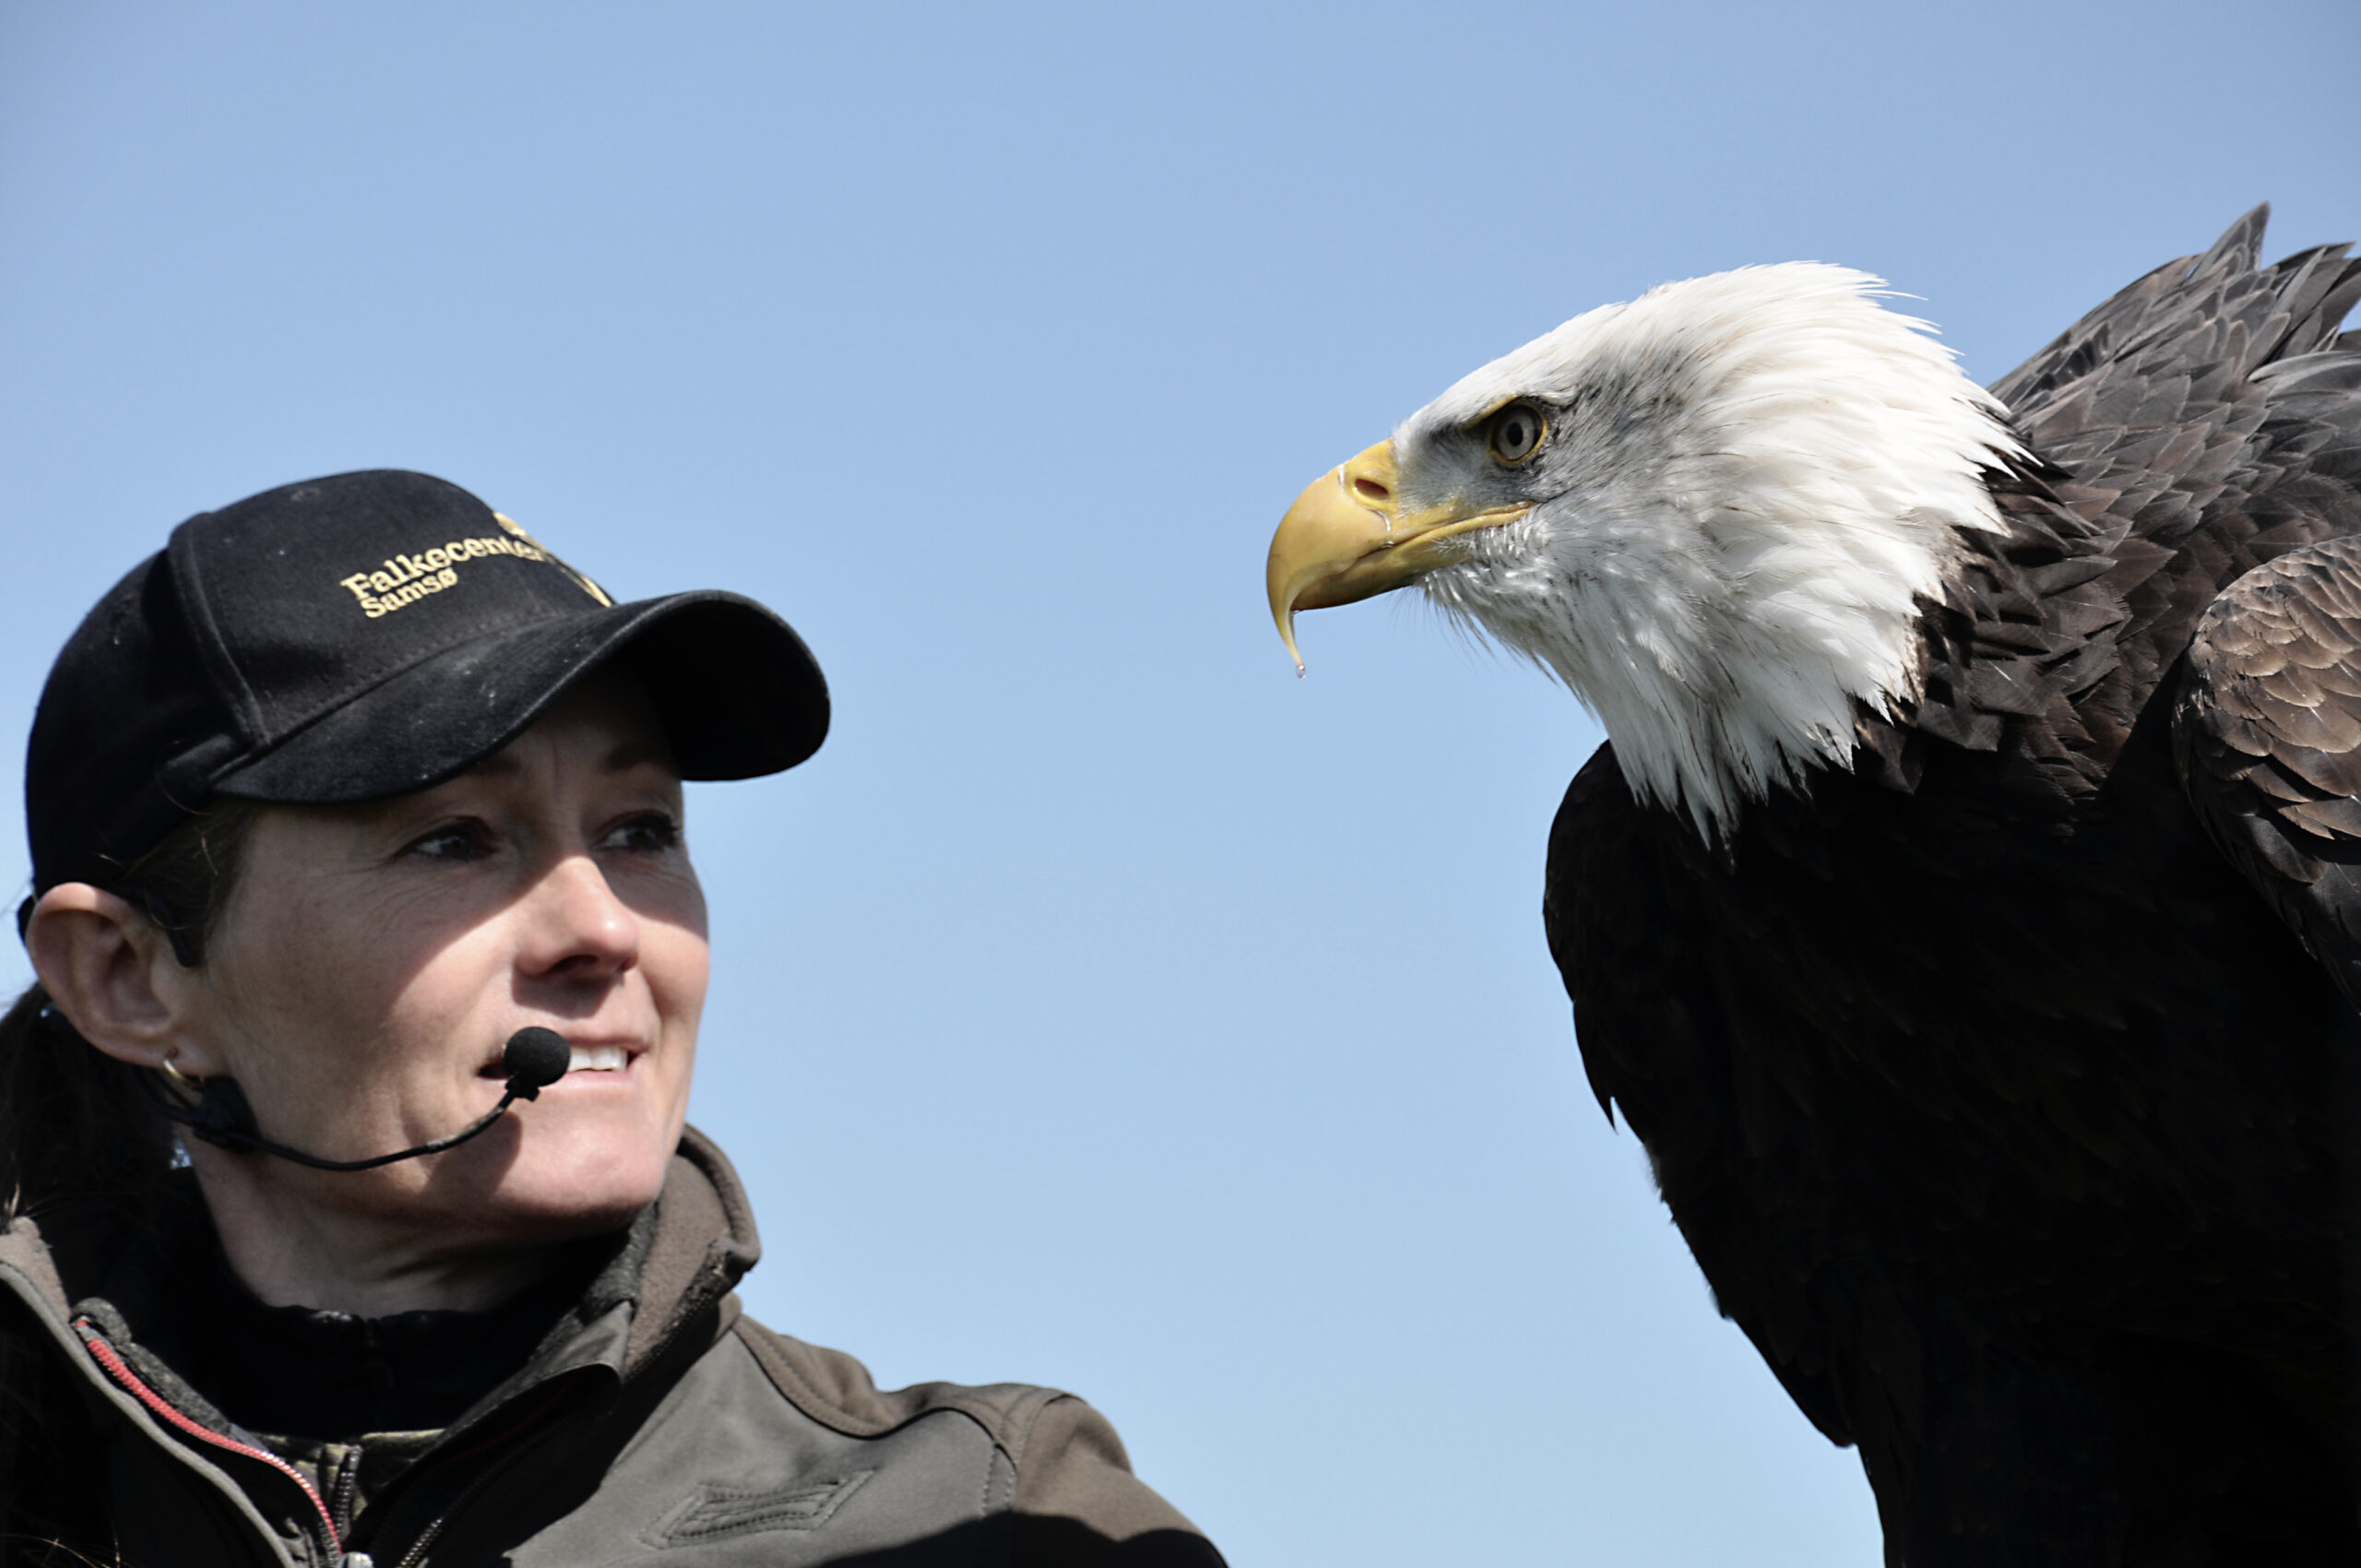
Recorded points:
738,693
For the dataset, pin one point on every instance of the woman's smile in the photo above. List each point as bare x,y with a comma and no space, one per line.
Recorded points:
609,1061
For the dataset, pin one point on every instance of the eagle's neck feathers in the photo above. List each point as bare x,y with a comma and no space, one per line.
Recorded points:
1757,481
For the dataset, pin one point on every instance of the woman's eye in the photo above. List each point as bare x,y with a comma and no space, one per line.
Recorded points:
454,841
647,833
1515,432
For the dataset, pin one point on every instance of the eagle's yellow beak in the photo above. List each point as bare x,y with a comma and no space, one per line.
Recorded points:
1346,538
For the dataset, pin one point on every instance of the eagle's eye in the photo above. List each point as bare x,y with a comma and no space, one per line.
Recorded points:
1514,434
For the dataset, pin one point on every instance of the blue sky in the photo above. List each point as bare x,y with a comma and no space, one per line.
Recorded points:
1103,1007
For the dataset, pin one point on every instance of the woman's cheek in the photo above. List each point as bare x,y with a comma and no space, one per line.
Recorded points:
678,964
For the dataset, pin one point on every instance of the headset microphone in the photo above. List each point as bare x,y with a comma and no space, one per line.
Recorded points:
534,1058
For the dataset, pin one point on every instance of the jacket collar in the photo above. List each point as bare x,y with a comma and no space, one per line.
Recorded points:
681,1259
702,1243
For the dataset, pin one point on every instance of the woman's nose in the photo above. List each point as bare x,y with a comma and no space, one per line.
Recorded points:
577,926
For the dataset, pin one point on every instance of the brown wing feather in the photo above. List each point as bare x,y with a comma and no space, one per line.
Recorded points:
2268,737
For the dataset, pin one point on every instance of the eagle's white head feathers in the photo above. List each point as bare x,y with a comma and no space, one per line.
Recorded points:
1745,486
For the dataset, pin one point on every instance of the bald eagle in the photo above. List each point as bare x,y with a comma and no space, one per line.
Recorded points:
1965,909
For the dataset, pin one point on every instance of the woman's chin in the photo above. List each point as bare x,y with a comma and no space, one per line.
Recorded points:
591,1151
570,1175
584,1184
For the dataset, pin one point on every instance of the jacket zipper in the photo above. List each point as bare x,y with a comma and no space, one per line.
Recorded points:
415,1557
433,1528
117,1369
347,1486
120,1371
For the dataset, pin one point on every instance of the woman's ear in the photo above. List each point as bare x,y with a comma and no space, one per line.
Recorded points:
111,972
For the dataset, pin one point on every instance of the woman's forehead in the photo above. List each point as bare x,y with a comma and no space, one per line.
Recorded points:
605,724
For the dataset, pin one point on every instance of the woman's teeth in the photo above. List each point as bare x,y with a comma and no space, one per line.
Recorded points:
598,1059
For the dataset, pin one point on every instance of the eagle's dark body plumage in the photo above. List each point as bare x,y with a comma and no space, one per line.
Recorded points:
2004,1084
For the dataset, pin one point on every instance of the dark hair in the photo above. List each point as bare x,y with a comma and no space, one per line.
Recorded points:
76,1132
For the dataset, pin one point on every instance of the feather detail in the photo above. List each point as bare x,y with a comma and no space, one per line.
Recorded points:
1762,478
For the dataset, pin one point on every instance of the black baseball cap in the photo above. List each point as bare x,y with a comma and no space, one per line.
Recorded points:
364,636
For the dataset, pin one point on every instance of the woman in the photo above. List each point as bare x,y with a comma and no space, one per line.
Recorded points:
329,800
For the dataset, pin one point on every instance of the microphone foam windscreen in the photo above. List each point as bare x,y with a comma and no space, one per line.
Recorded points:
536,1055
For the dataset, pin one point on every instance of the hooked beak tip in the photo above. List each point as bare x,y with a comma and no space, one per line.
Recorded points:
1286,619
